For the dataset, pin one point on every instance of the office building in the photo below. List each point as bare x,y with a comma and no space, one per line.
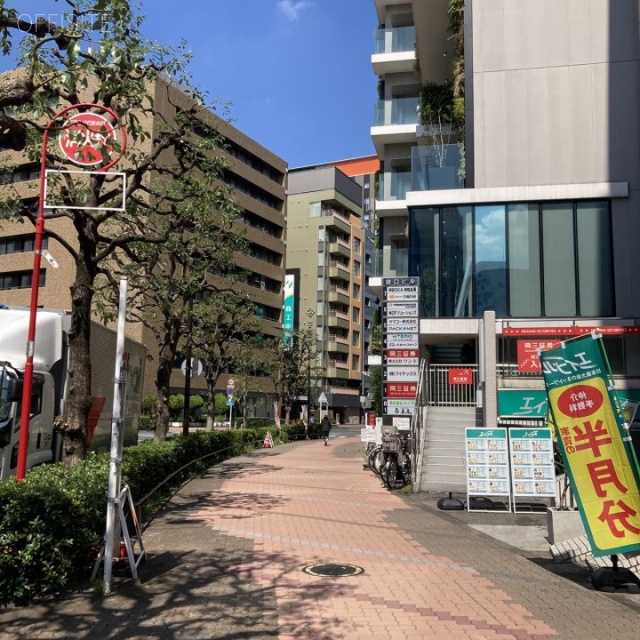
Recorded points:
508,139
258,180
326,257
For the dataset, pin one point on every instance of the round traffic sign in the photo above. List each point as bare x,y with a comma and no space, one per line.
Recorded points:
231,383
87,138
196,367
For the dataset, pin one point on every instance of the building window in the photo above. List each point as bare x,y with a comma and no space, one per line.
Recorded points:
21,244
519,260
356,245
355,339
355,362
356,268
356,291
20,279
355,315
315,209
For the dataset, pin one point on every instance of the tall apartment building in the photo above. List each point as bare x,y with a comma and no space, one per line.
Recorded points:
258,179
326,256
519,214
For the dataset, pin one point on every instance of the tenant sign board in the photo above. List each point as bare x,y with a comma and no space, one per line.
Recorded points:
528,360
401,325
589,433
401,374
401,341
396,407
401,293
407,357
400,390
400,309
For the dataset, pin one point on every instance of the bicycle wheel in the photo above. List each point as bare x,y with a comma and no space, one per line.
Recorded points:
376,460
391,474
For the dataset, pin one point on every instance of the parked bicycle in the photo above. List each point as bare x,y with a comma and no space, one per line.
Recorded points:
395,460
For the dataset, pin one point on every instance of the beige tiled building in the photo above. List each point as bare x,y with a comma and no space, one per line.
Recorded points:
258,178
326,255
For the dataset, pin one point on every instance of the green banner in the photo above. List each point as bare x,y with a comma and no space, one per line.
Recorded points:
591,437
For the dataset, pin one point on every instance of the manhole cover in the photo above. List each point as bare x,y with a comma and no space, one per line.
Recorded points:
333,570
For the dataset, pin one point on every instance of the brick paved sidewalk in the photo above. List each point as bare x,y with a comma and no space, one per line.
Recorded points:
226,561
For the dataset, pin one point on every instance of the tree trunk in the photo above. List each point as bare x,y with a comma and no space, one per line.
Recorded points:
74,429
163,387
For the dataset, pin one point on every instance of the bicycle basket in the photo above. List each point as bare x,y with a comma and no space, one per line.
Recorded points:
390,443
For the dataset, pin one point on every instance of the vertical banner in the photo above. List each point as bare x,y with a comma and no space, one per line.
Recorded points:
288,320
590,436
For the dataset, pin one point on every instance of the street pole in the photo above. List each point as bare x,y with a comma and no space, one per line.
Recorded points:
25,411
187,373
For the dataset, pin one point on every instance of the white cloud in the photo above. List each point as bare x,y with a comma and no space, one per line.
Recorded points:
291,8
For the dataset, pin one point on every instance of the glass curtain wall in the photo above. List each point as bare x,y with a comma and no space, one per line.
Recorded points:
526,260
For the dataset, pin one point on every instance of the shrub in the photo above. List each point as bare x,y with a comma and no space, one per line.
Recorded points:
52,523
144,422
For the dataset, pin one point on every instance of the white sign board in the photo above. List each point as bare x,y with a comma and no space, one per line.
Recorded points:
401,341
401,309
402,374
402,325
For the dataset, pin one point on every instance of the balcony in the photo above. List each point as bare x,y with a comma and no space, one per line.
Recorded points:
436,167
338,320
338,369
340,248
394,185
337,344
339,271
340,295
336,220
395,51
390,264
396,122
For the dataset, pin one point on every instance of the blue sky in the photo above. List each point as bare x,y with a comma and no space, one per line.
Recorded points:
296,73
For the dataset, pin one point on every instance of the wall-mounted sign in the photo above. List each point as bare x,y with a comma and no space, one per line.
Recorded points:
528,350
401,341
460,376
395,407
607,330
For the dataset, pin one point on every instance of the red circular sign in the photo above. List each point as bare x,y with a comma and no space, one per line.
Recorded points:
87,139
580,401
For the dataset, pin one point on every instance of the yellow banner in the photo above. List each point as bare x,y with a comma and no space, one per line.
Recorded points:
598,464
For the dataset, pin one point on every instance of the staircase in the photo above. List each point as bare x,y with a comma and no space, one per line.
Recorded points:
443,456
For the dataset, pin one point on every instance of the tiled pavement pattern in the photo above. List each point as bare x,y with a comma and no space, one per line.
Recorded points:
226,561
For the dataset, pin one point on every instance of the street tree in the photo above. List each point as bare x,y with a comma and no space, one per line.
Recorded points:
98,55
223,324
174,284
294,368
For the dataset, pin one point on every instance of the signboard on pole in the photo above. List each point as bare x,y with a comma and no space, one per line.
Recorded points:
401,343
87,138
589,430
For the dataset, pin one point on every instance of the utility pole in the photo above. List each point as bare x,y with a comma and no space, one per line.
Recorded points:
187,372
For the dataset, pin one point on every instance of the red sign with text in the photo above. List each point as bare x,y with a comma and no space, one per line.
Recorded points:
460,376
400,390
528,360
605,330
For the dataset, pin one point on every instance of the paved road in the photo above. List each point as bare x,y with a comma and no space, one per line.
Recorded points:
227,559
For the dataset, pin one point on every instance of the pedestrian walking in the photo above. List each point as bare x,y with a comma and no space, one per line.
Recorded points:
326,428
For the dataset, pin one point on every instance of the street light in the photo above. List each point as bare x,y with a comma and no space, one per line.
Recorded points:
23,445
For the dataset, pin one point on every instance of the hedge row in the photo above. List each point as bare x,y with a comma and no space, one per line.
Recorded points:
52,523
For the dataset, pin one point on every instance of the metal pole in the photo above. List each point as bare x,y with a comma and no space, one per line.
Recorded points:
187,371
230,414
115,459
25,411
